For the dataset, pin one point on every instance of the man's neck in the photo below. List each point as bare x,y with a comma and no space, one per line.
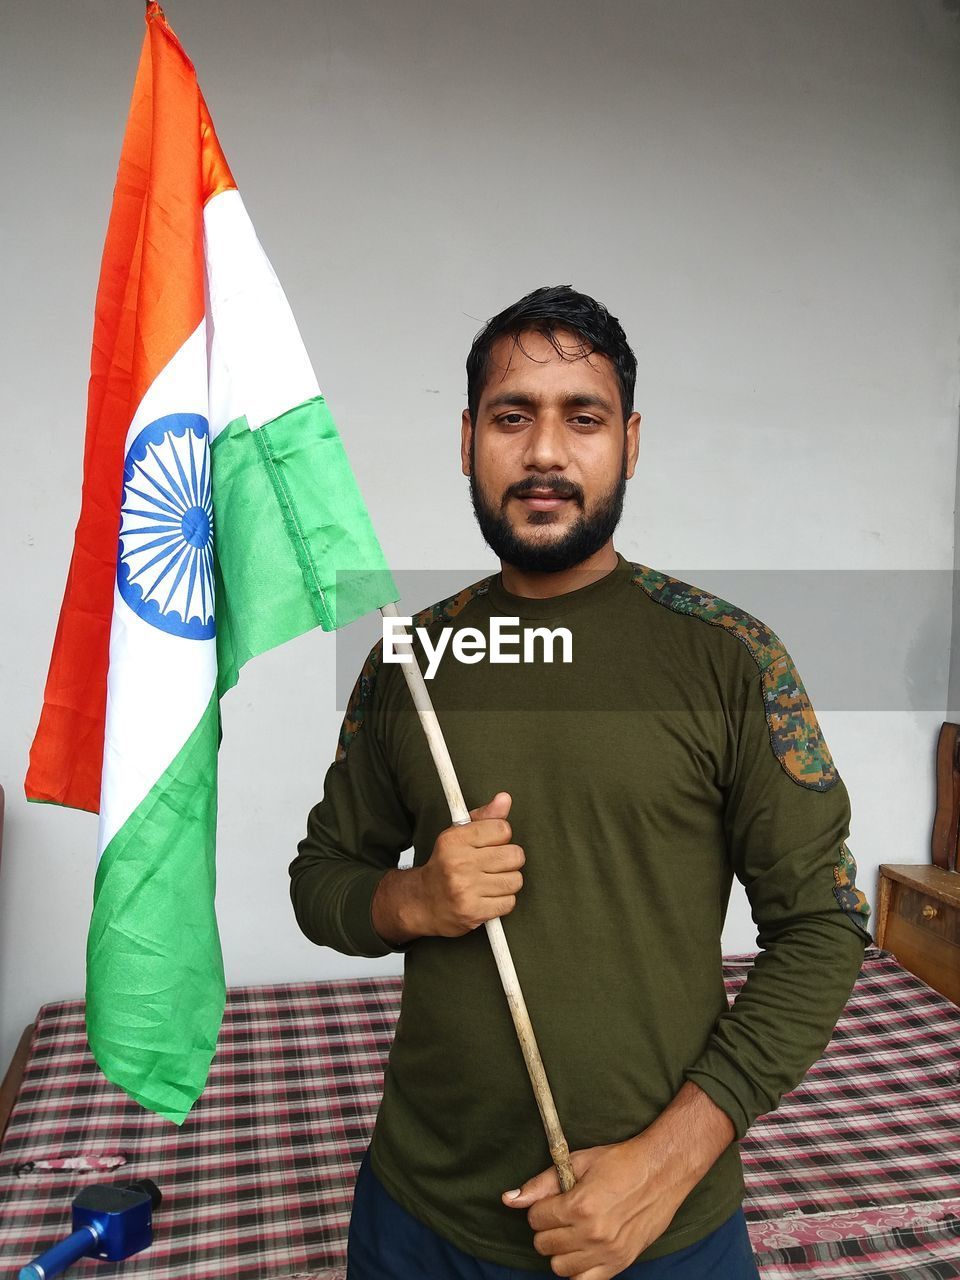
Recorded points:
541,586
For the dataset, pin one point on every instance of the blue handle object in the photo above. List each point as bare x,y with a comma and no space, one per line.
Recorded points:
80,1245
110,1222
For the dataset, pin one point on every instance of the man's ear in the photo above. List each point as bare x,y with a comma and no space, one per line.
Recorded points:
466,439
633,443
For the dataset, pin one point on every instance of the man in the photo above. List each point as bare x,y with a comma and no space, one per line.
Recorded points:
616,796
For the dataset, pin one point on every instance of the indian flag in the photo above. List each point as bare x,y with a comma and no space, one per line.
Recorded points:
219,518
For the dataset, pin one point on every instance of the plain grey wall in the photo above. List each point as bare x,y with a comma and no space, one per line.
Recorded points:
766,194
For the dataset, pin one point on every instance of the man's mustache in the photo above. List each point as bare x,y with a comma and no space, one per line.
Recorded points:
562,487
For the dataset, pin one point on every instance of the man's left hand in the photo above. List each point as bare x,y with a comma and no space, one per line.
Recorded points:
626,1193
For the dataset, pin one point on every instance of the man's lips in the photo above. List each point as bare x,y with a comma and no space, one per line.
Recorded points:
543,501
545,496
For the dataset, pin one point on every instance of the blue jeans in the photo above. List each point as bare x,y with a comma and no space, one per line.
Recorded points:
387,1243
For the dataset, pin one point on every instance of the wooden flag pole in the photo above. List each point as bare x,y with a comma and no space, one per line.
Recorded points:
460,815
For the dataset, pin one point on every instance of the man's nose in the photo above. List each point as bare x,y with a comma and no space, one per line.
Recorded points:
546,447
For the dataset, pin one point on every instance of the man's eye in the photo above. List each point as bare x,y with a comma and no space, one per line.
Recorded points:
584,420
511,419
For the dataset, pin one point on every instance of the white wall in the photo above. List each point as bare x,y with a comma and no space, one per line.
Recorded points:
766,194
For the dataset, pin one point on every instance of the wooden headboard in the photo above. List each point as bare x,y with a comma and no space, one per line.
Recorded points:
946,822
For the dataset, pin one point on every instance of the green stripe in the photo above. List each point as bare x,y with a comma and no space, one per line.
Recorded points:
295,548
155,985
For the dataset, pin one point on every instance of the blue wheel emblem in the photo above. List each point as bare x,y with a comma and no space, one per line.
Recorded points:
165,565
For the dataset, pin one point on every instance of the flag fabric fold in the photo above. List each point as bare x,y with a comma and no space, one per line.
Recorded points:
219,518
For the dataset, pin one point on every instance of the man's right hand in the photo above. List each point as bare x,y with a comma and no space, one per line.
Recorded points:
472,875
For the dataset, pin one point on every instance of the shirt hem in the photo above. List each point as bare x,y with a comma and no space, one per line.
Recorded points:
669,1242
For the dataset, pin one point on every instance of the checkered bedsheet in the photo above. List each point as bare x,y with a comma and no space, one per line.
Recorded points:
855,1175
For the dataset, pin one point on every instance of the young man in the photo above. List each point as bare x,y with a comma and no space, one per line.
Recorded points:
617,794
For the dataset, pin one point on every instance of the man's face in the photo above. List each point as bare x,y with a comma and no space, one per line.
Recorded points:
549,455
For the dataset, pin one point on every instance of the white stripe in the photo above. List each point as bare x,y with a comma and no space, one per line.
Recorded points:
158,684
179,387
258,363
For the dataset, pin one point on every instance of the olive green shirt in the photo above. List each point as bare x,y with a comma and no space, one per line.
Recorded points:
677,749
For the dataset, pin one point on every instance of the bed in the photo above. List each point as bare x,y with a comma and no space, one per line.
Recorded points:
856,1174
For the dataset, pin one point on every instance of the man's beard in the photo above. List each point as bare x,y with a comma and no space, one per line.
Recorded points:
583,539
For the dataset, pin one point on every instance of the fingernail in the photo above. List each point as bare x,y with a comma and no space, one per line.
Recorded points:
512,1195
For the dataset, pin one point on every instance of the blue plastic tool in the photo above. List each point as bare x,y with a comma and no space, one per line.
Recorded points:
110,1221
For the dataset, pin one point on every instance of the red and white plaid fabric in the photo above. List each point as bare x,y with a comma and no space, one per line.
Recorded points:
858,1171
856,1174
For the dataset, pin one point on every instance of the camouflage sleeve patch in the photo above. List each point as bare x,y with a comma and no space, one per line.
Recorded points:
795,735
852,902
795,732
444,611
359,699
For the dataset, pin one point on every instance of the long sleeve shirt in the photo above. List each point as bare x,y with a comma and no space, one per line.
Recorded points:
677,749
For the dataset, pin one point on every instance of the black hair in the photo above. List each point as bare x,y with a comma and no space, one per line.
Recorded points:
544,311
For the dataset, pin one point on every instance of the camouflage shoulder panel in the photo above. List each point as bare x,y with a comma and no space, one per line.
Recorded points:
444,611
682,597
795,735
448,609
853,903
